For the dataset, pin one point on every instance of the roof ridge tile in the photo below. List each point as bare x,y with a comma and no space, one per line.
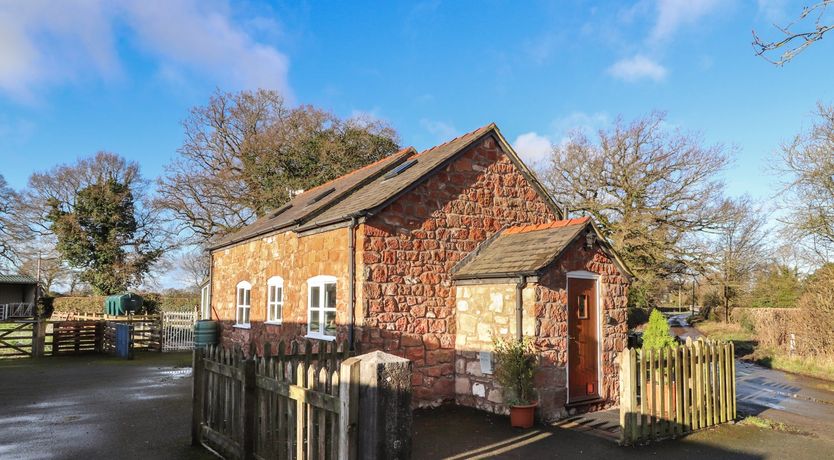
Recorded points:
546,225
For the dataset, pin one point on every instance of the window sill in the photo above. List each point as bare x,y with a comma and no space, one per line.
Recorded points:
242,326
274,323
328,338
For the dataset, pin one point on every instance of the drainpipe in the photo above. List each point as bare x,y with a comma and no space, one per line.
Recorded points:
519,305
352,282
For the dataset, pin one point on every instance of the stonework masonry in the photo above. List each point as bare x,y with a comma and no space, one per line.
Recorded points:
552,327
486,312
294,258
411,246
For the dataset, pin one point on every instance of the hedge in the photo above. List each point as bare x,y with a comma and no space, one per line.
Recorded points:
153,303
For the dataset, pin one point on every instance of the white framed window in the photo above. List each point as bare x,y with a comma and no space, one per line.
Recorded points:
321,307
275,300
244,302
205,302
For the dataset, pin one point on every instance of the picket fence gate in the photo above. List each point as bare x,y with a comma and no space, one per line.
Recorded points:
291,405
676,390
178,330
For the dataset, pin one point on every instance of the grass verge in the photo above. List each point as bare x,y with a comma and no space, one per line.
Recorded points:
768,424
747,348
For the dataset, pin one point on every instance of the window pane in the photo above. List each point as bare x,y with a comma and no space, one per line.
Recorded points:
330,295
330,322
245,316
315,301
271,296
278,312
240,296
248,292
279,294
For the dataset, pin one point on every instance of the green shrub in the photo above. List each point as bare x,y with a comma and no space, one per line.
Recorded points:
657,335
515,366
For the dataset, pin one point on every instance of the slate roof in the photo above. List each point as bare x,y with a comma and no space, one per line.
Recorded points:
366,189
300,207
17,279
522,250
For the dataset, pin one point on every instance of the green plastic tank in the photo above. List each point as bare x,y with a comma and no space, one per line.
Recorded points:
121,304
205,333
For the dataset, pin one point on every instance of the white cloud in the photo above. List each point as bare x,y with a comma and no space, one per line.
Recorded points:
773,10
636,68
442,131
672,14
532,147
580,121
45,44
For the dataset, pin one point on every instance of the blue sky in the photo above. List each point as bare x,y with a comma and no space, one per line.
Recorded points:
78,77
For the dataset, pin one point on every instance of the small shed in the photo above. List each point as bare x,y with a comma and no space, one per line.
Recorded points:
121,304
17,296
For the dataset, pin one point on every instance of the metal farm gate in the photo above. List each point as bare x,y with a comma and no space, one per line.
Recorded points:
178,330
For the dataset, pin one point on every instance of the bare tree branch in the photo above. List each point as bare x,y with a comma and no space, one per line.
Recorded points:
795,42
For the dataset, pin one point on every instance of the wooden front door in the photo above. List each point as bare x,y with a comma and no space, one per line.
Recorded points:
583,340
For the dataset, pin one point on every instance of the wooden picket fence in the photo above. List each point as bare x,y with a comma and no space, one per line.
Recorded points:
289,405
669,392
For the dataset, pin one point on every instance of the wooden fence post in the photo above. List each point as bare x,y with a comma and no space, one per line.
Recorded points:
249,408
197,395
349,408
628,397
38,338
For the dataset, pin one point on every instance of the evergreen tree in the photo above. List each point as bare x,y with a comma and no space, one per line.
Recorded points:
657,335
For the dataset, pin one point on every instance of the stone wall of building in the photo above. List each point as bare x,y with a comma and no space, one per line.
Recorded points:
294,258
486,312
552,327
411,246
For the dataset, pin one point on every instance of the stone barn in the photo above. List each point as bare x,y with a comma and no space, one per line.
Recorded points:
428,255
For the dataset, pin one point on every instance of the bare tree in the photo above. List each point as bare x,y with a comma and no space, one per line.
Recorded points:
246,153
46,263
737,252
810,27
195,264
807,166
7,256
651,189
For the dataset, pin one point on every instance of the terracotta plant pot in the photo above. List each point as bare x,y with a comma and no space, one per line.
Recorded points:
523,416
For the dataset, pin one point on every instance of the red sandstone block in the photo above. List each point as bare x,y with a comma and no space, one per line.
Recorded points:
431,341
437,325
439,356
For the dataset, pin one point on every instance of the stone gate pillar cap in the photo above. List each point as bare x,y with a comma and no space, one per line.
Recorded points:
381,357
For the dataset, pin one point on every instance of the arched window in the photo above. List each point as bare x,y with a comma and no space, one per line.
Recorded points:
244,302
275,300
321,307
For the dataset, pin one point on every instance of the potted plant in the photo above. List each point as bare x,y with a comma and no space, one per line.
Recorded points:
515,366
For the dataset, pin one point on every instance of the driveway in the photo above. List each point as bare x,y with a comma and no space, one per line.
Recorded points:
89,407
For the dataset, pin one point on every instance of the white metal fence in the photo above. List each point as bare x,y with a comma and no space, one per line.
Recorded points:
16,310
178,330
